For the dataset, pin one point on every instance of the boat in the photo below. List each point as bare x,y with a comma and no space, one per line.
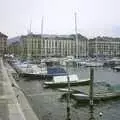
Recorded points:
80,96
42,72
62,81
112,62
94,64
102,92
117,68
96,97
69,60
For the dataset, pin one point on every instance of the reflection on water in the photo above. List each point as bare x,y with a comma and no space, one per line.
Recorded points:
47,105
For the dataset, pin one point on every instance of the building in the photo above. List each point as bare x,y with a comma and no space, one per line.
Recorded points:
3,44
37,46
104,46
15,48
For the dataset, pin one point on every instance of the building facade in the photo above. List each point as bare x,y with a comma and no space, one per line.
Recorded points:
53,45
3,44
104,46
15,48
37,46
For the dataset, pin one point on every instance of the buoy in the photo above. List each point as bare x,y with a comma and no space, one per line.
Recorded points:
100,114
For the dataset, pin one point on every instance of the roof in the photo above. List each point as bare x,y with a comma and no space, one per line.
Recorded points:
1,34
56,37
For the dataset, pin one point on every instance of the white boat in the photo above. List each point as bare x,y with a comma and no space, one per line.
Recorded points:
81,96
93,64
67,60
64,90
39,71
62,81
117,68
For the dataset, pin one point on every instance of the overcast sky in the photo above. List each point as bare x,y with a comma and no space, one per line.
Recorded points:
94,17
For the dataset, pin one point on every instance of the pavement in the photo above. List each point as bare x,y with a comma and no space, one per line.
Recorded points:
11,106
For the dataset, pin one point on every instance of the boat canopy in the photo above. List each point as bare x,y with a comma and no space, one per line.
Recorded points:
60,79
56,71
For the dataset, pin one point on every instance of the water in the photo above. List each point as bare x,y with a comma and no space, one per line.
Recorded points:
47,105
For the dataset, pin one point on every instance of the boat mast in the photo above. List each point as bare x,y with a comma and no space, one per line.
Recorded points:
42,34
76,35
96,48
28,44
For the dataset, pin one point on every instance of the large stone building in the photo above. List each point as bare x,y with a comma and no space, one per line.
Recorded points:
53,45
15,48
37,46
104,46
3,44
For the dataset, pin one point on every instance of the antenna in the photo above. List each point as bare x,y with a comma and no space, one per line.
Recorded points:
76,34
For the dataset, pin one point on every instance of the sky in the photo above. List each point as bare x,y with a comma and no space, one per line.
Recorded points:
94,17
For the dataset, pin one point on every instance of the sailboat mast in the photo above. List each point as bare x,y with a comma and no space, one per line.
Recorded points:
30,26
76,35
41,35
41,26
96,48
29,37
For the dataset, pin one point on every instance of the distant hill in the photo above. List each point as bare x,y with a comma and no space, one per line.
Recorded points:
14,39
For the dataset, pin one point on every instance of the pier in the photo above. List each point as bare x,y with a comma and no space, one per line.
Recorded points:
13,103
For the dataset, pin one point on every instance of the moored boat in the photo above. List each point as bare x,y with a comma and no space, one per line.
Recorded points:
94,64
117,68
62,81
42,72
96,97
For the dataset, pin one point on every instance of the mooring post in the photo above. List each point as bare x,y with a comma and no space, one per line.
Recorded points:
68,99
91,94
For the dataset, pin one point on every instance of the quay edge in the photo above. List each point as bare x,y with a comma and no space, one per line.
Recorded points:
18,106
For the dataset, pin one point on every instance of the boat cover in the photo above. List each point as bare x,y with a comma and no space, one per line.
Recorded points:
60,79
55,71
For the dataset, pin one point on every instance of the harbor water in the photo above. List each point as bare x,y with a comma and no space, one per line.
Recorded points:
48,106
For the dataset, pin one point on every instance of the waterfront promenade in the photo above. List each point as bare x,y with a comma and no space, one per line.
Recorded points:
13,103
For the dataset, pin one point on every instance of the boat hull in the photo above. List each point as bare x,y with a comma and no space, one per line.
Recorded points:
97,98
116,69
36,76
62,85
